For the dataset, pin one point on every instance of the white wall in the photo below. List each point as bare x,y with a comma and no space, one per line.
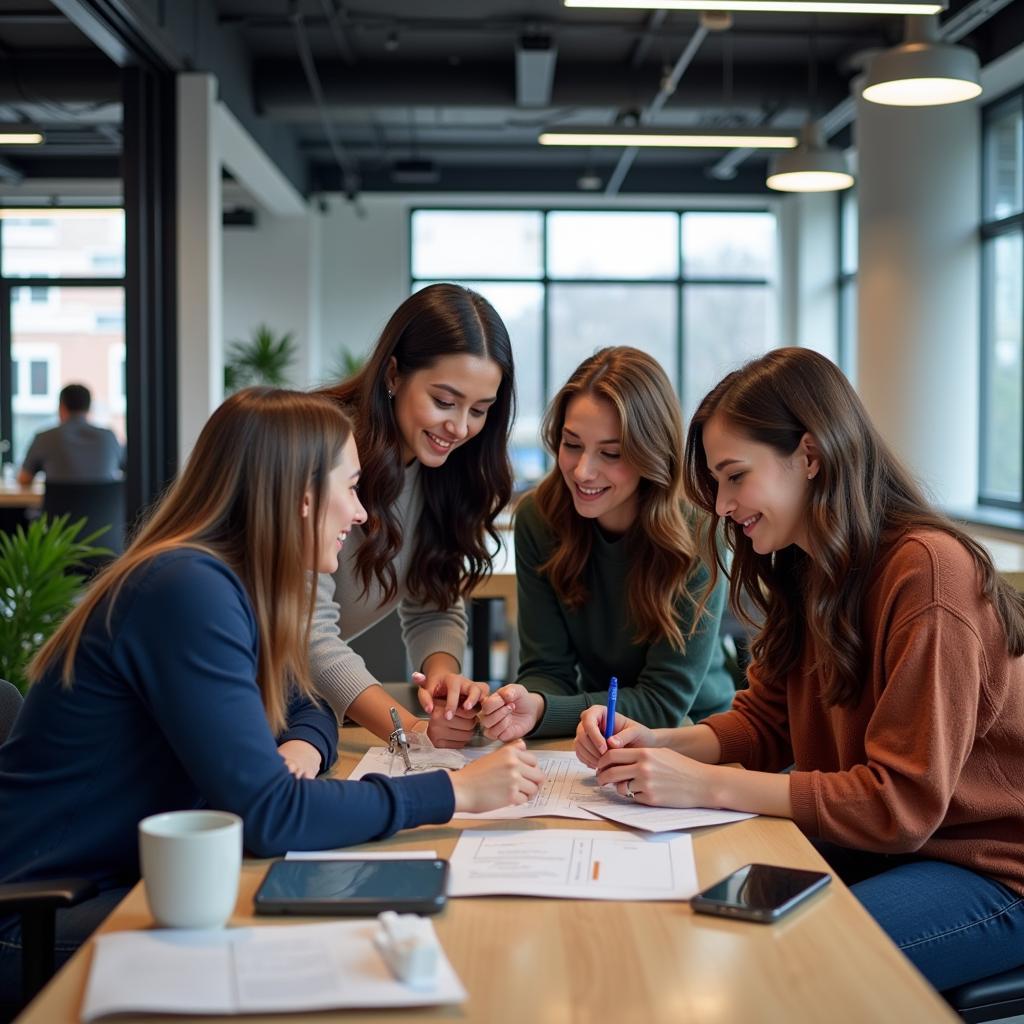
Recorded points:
272,276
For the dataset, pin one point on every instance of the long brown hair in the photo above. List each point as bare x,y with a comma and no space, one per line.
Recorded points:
661,546
239,499
862,498
462,498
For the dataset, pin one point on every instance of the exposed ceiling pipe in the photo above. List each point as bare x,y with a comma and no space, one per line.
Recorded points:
334,12
643,45
349,173
843,113
668,86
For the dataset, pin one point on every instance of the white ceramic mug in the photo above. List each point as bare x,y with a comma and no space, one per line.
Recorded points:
191,861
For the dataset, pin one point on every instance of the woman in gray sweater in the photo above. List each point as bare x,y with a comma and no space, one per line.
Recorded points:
432,409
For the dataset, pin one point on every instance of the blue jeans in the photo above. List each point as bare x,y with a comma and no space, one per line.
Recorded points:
73,927
953,924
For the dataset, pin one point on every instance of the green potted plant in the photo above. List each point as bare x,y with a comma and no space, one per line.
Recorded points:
38,586
263,359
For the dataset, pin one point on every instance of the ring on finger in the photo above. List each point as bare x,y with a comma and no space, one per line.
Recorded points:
629,789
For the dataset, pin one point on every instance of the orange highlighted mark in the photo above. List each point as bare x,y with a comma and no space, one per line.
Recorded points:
596,871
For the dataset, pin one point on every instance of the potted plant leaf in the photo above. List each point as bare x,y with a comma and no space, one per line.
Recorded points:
262,359
42,572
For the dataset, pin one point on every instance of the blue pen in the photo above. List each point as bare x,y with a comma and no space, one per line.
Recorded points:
609,715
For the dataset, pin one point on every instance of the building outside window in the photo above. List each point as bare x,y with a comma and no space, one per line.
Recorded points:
62,276
1002,334
693,288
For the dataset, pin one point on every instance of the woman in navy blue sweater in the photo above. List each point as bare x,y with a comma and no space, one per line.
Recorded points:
173,682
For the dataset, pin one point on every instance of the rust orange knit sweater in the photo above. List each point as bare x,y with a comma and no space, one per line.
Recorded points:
931,760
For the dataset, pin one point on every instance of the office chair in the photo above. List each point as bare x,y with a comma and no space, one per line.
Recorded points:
100,503
992,998
36,902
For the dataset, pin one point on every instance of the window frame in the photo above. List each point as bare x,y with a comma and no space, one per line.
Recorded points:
7,286
989,229
677,283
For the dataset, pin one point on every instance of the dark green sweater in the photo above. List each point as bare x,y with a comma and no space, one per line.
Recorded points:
569,656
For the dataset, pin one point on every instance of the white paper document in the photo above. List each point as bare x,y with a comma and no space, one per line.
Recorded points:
573,865
568,784
661,819
252,970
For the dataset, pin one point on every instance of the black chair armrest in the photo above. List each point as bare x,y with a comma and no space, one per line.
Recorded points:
52,894
38,903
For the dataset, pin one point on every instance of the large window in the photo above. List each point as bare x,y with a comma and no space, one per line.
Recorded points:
61,275
695,289
1002,366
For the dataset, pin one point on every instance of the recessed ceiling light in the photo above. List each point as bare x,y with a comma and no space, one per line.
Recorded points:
696,139
785,6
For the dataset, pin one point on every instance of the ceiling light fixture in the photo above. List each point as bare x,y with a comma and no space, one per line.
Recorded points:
812,167
785,6
20,135
664,138
922,71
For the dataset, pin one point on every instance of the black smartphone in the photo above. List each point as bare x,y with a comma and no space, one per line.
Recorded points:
760,892
358,888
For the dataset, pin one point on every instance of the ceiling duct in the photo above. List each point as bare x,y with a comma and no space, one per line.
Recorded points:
535,70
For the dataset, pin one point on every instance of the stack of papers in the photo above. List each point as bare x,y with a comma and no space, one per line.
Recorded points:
276,969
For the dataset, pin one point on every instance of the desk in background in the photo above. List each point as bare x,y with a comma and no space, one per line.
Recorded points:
540,960
15,502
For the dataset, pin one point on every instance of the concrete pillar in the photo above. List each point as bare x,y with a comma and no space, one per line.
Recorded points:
200,342
809,265
918,302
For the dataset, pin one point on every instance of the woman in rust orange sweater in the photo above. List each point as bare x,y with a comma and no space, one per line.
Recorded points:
887,671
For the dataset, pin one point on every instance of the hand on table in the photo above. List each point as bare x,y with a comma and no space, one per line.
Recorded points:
508,776
657,776
511,712
452,702
302,759
590,742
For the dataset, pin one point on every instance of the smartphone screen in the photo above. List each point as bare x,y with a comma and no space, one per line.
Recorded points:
362,887
760,892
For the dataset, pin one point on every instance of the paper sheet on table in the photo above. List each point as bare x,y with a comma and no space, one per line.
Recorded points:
569,784
361,855
573,865
276,969
661,819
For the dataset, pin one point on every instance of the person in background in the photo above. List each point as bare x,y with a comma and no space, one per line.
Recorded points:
183,676
888,671
607,566
76,451
432,409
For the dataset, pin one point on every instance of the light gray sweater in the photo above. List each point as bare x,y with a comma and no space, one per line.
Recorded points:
342,612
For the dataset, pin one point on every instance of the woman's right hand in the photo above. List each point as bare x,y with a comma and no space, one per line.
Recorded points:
591,745
508,776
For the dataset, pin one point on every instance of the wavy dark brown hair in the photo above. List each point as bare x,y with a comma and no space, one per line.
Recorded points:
462,498
661,545
239,499
861,500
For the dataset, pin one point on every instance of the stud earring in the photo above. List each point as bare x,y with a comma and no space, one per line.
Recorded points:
391,393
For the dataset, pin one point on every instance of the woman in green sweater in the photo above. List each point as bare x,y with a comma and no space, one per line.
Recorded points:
606,565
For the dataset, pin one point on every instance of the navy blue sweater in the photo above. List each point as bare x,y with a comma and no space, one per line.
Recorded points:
165,713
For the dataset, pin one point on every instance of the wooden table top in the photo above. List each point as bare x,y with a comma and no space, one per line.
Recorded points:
16,496
552,961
